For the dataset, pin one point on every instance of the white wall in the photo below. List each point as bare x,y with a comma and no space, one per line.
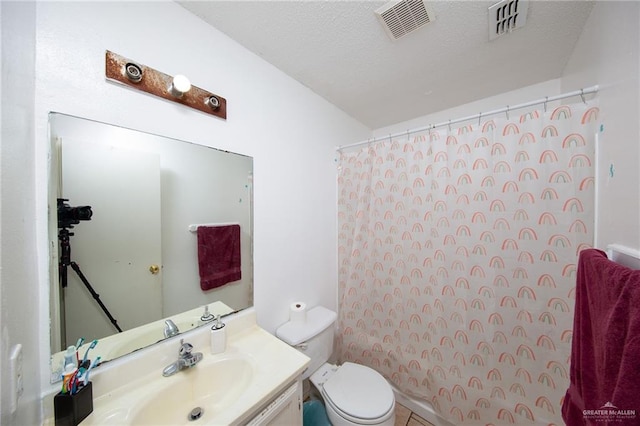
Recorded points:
290,132
608,54
18,267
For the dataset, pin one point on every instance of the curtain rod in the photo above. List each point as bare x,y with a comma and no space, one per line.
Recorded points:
581,93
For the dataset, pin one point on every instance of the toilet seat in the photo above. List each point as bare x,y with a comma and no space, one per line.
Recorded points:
359,394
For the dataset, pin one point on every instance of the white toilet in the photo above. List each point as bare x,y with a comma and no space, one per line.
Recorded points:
353,394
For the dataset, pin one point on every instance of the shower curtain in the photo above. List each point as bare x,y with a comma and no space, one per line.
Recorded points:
457,261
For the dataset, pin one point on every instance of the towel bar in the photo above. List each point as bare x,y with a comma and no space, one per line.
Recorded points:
194,228
623,255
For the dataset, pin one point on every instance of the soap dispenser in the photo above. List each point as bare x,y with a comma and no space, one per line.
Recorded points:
218,336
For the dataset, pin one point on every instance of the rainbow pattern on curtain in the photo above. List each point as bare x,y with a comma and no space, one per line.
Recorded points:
457,262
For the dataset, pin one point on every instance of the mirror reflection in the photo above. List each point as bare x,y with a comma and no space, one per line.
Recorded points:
144,229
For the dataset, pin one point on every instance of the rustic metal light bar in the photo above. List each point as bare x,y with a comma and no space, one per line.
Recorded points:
177,89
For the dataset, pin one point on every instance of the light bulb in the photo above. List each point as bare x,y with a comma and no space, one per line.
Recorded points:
179,86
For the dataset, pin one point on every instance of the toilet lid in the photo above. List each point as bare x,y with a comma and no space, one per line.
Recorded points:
359,391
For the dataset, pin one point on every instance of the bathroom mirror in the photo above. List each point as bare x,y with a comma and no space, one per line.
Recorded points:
124,206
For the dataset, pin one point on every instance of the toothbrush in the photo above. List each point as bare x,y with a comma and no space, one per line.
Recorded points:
78,344
85,378
74,383
91,346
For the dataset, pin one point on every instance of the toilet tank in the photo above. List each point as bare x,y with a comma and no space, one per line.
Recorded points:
313,336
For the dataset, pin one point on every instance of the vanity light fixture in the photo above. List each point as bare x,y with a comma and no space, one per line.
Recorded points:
177,88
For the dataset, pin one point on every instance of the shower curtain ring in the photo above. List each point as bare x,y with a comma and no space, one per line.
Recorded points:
546,99
479,118
582,96
507,112
449,125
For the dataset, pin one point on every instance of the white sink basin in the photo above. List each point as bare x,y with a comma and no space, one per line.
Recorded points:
211,388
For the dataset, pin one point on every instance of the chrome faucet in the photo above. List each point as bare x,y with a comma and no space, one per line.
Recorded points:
170,328
186,359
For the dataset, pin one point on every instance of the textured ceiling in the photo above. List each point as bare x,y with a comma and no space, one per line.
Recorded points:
340,51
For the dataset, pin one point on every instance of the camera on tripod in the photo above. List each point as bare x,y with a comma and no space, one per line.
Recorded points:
69,216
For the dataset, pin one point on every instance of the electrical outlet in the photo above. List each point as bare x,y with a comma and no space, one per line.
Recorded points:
17,379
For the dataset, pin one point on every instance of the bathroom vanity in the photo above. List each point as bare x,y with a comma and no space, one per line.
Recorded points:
256,381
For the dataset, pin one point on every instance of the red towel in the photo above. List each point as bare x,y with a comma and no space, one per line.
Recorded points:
605,353
218,255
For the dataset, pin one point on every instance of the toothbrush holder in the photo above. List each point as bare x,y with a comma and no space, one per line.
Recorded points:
71,409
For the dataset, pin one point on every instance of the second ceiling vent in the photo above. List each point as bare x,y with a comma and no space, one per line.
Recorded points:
505,16
400,18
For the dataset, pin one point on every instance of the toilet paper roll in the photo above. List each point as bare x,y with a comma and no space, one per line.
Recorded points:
298,312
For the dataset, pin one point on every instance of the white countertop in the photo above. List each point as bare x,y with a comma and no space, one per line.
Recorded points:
120,389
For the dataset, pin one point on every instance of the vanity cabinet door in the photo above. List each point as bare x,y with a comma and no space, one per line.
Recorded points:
286,409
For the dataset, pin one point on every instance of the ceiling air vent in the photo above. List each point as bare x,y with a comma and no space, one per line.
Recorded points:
400,18
505,16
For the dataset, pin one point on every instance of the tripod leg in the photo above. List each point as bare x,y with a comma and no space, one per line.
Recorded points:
95,295
62,283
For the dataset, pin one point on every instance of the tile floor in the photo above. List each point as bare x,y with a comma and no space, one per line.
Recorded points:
404,417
